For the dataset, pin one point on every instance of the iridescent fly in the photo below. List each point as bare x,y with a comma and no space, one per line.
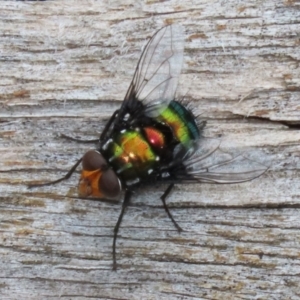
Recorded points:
154,138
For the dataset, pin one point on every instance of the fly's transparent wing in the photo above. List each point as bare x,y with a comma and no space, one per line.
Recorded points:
210,164
157,73
156,76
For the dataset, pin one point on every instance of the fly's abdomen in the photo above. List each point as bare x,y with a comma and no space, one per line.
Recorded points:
181,121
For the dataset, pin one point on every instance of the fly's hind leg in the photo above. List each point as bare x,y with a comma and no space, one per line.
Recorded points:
163,199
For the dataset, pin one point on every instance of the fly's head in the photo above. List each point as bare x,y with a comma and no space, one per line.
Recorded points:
97,178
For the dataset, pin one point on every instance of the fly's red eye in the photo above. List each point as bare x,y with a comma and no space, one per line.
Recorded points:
109,184
92,160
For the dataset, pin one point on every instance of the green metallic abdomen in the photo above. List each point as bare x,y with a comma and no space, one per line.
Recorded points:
181,121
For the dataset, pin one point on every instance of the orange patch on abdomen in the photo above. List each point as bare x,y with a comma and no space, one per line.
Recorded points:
155,137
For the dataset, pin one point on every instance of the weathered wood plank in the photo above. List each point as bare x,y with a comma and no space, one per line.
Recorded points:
65,67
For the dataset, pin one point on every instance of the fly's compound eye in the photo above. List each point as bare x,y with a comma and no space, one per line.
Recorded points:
92,160
97,179
109,184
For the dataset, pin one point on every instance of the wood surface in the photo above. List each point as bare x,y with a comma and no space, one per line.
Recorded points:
65,67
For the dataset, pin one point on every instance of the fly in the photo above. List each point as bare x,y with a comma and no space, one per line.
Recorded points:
153,138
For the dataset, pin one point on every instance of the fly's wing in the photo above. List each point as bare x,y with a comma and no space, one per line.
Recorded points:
156,76
210,164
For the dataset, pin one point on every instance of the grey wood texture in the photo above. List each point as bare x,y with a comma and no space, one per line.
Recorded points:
65,67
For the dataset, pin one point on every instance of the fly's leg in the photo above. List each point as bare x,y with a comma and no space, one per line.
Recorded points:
116,229
163,199
78,140
102,136
67,176
107,126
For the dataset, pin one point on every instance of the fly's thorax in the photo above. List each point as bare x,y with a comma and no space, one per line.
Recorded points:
131,154
98,179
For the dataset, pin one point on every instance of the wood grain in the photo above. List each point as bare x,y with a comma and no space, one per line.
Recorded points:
65,67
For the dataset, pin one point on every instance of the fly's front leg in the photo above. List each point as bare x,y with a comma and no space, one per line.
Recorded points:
67,176
78,140
116,229
102,136
163,199
107,126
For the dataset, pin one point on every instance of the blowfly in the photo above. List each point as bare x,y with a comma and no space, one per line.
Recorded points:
153,138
